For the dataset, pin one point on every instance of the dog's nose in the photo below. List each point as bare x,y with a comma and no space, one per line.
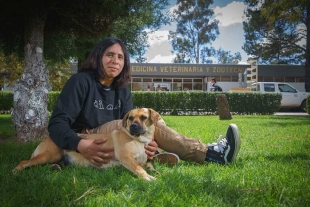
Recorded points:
134,125
136,129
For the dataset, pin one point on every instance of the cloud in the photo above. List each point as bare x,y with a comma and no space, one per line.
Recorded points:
231,34
302,30
231,39
158,37
160,48
162,59
231,14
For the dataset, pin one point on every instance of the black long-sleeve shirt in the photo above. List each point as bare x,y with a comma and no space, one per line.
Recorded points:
85,103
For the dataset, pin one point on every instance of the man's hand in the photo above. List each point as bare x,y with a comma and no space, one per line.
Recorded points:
95,153
150,149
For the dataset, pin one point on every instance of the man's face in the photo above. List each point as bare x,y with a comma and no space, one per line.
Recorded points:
113,61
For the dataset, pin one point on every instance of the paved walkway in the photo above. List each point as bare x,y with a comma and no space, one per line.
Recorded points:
292,114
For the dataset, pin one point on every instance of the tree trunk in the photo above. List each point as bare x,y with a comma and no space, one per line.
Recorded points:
30,116
223,107
307,64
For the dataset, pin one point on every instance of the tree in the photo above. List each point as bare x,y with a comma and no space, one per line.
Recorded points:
276,45
195,30
11,67
57,30
58,74
279,22
224,57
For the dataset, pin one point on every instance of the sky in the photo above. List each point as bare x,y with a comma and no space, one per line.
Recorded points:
231,38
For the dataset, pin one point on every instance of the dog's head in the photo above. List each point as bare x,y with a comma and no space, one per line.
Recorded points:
140,121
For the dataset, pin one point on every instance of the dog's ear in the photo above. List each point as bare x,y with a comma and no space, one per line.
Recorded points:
124,122
155,117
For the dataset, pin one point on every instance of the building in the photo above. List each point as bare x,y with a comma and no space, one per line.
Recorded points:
197,77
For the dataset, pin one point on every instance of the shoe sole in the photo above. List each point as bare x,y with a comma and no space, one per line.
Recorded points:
167,158
237,141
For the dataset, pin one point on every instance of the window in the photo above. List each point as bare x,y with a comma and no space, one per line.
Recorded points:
226,78
177,86
147,80
269,87
286,88
187,84
278,79
136,79
168,80
157,80
217,78
234,79
260,79
137,87
289,79
300,79
268,79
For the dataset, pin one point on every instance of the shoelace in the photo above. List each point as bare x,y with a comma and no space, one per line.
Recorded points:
220,145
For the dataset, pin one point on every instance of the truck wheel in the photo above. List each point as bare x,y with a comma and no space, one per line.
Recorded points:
303,106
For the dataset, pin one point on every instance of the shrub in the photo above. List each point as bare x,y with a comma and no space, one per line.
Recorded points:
6,100
205,102
188,103
308,104
52,99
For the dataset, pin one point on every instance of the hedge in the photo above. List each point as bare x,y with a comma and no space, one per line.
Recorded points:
308,104
184,103
6,100
187,103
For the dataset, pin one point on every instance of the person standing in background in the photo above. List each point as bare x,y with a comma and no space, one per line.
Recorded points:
215,86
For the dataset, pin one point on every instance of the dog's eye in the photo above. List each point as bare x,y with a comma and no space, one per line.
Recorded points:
130,118
142,118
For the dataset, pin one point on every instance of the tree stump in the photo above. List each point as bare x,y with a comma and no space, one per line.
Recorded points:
223,107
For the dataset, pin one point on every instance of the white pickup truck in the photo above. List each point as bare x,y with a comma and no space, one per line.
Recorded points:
291,97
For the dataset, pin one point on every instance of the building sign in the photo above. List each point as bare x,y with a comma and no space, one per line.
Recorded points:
170,69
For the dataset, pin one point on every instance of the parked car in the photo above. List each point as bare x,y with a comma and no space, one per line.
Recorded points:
291,97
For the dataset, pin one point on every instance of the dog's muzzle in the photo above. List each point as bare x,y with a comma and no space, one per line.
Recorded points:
136,129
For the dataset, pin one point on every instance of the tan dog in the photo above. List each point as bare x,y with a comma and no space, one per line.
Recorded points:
128,142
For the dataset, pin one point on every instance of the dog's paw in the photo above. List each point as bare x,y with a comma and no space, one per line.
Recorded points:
55,167
19,167
15,171
149,177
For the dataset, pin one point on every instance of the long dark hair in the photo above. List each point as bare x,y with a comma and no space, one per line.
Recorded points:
93,63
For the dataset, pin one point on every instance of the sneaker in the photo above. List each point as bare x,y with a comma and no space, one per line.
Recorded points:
225,150
167,158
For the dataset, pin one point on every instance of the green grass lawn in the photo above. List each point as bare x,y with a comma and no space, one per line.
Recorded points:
273,169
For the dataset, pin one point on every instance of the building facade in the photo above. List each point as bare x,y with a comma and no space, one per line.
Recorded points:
196,77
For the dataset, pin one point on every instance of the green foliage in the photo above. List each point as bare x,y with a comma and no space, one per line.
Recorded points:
58,73
195,32
204,102
272,169
224,57
72,28
6,127
6,100
190,103
52,100
308,104
254,103
273,40
285,18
